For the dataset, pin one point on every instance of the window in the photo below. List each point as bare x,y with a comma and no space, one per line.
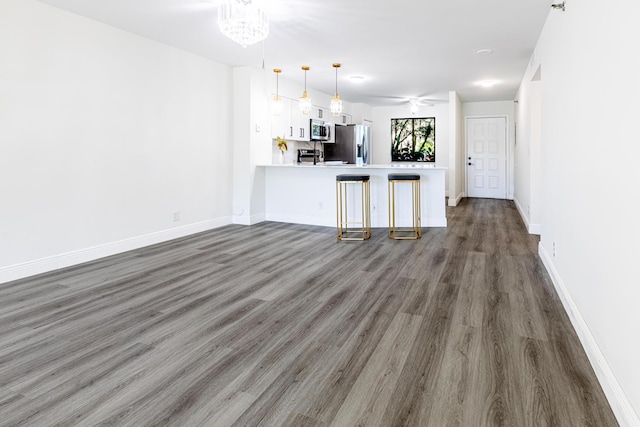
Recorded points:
413,140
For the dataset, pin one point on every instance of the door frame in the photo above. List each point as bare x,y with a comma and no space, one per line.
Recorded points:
508,167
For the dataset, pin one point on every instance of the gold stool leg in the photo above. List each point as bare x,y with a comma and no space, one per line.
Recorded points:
416,222
342,213
392,209
418,207
338,211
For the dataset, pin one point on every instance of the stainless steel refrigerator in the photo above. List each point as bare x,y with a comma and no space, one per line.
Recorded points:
353,145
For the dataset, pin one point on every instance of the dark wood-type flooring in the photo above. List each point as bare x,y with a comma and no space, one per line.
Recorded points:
281,325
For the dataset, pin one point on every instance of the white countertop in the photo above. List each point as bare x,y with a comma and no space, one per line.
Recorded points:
352,166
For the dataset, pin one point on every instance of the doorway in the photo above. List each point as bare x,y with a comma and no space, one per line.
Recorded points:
486,152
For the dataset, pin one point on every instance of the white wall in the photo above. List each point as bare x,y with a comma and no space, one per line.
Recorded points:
104,135
589,154
527,154
361,113
457,161
381,131
251,144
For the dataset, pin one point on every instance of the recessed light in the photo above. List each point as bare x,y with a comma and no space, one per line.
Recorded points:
484,52
487,83
356,79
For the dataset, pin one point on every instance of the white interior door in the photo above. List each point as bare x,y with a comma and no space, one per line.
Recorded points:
487,157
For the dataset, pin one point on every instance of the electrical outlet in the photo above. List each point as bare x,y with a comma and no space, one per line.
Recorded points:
176,216
553,249
320,205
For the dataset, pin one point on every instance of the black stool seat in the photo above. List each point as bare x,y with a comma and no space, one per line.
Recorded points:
404,177
352,177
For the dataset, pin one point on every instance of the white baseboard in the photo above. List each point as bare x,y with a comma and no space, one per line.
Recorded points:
524,216
43,265
531,228
331,222
618,401
249,220
300,219
455,201
535,229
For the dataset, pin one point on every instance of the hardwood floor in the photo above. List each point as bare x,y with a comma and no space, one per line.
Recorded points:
281,325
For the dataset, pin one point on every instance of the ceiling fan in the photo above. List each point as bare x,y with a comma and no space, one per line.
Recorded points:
416,101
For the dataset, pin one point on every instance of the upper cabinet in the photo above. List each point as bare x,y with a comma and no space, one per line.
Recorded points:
290,124
300,124
295,126
321,114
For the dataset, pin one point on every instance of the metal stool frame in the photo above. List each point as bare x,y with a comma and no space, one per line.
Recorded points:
415,232
343,232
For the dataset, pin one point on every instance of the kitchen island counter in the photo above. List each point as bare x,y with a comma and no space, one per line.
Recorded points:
306,193
393,166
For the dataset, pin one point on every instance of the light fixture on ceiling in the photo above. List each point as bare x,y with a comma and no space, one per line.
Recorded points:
305,101
277,101
243,22
484,52
414,105
487,83
336,102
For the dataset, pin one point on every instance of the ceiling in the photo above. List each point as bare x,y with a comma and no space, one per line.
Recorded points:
404,48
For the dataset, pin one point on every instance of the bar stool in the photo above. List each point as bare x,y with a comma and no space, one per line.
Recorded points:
415,232
363,229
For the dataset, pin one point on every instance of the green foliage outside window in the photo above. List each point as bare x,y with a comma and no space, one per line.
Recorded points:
413,140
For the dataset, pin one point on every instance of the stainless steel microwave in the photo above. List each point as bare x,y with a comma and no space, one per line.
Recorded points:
321,131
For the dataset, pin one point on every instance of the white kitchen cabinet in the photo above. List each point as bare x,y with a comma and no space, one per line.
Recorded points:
300,124
321,114
345,119
293,125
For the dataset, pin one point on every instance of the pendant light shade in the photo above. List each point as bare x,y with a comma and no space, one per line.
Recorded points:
277,101
243,22
336,102
305,101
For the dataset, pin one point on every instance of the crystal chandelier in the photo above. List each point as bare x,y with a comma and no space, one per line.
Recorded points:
243,22
305,101
277,101
336,102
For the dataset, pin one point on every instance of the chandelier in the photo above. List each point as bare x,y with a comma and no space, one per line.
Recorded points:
243,22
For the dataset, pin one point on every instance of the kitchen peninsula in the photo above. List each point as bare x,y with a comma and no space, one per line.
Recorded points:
306,194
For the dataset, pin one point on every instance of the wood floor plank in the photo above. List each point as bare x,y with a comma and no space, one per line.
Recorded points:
368,398
414,397
452,391
281,325
496,384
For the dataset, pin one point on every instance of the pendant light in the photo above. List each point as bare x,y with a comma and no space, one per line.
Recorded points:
305,101
336,102
277,101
